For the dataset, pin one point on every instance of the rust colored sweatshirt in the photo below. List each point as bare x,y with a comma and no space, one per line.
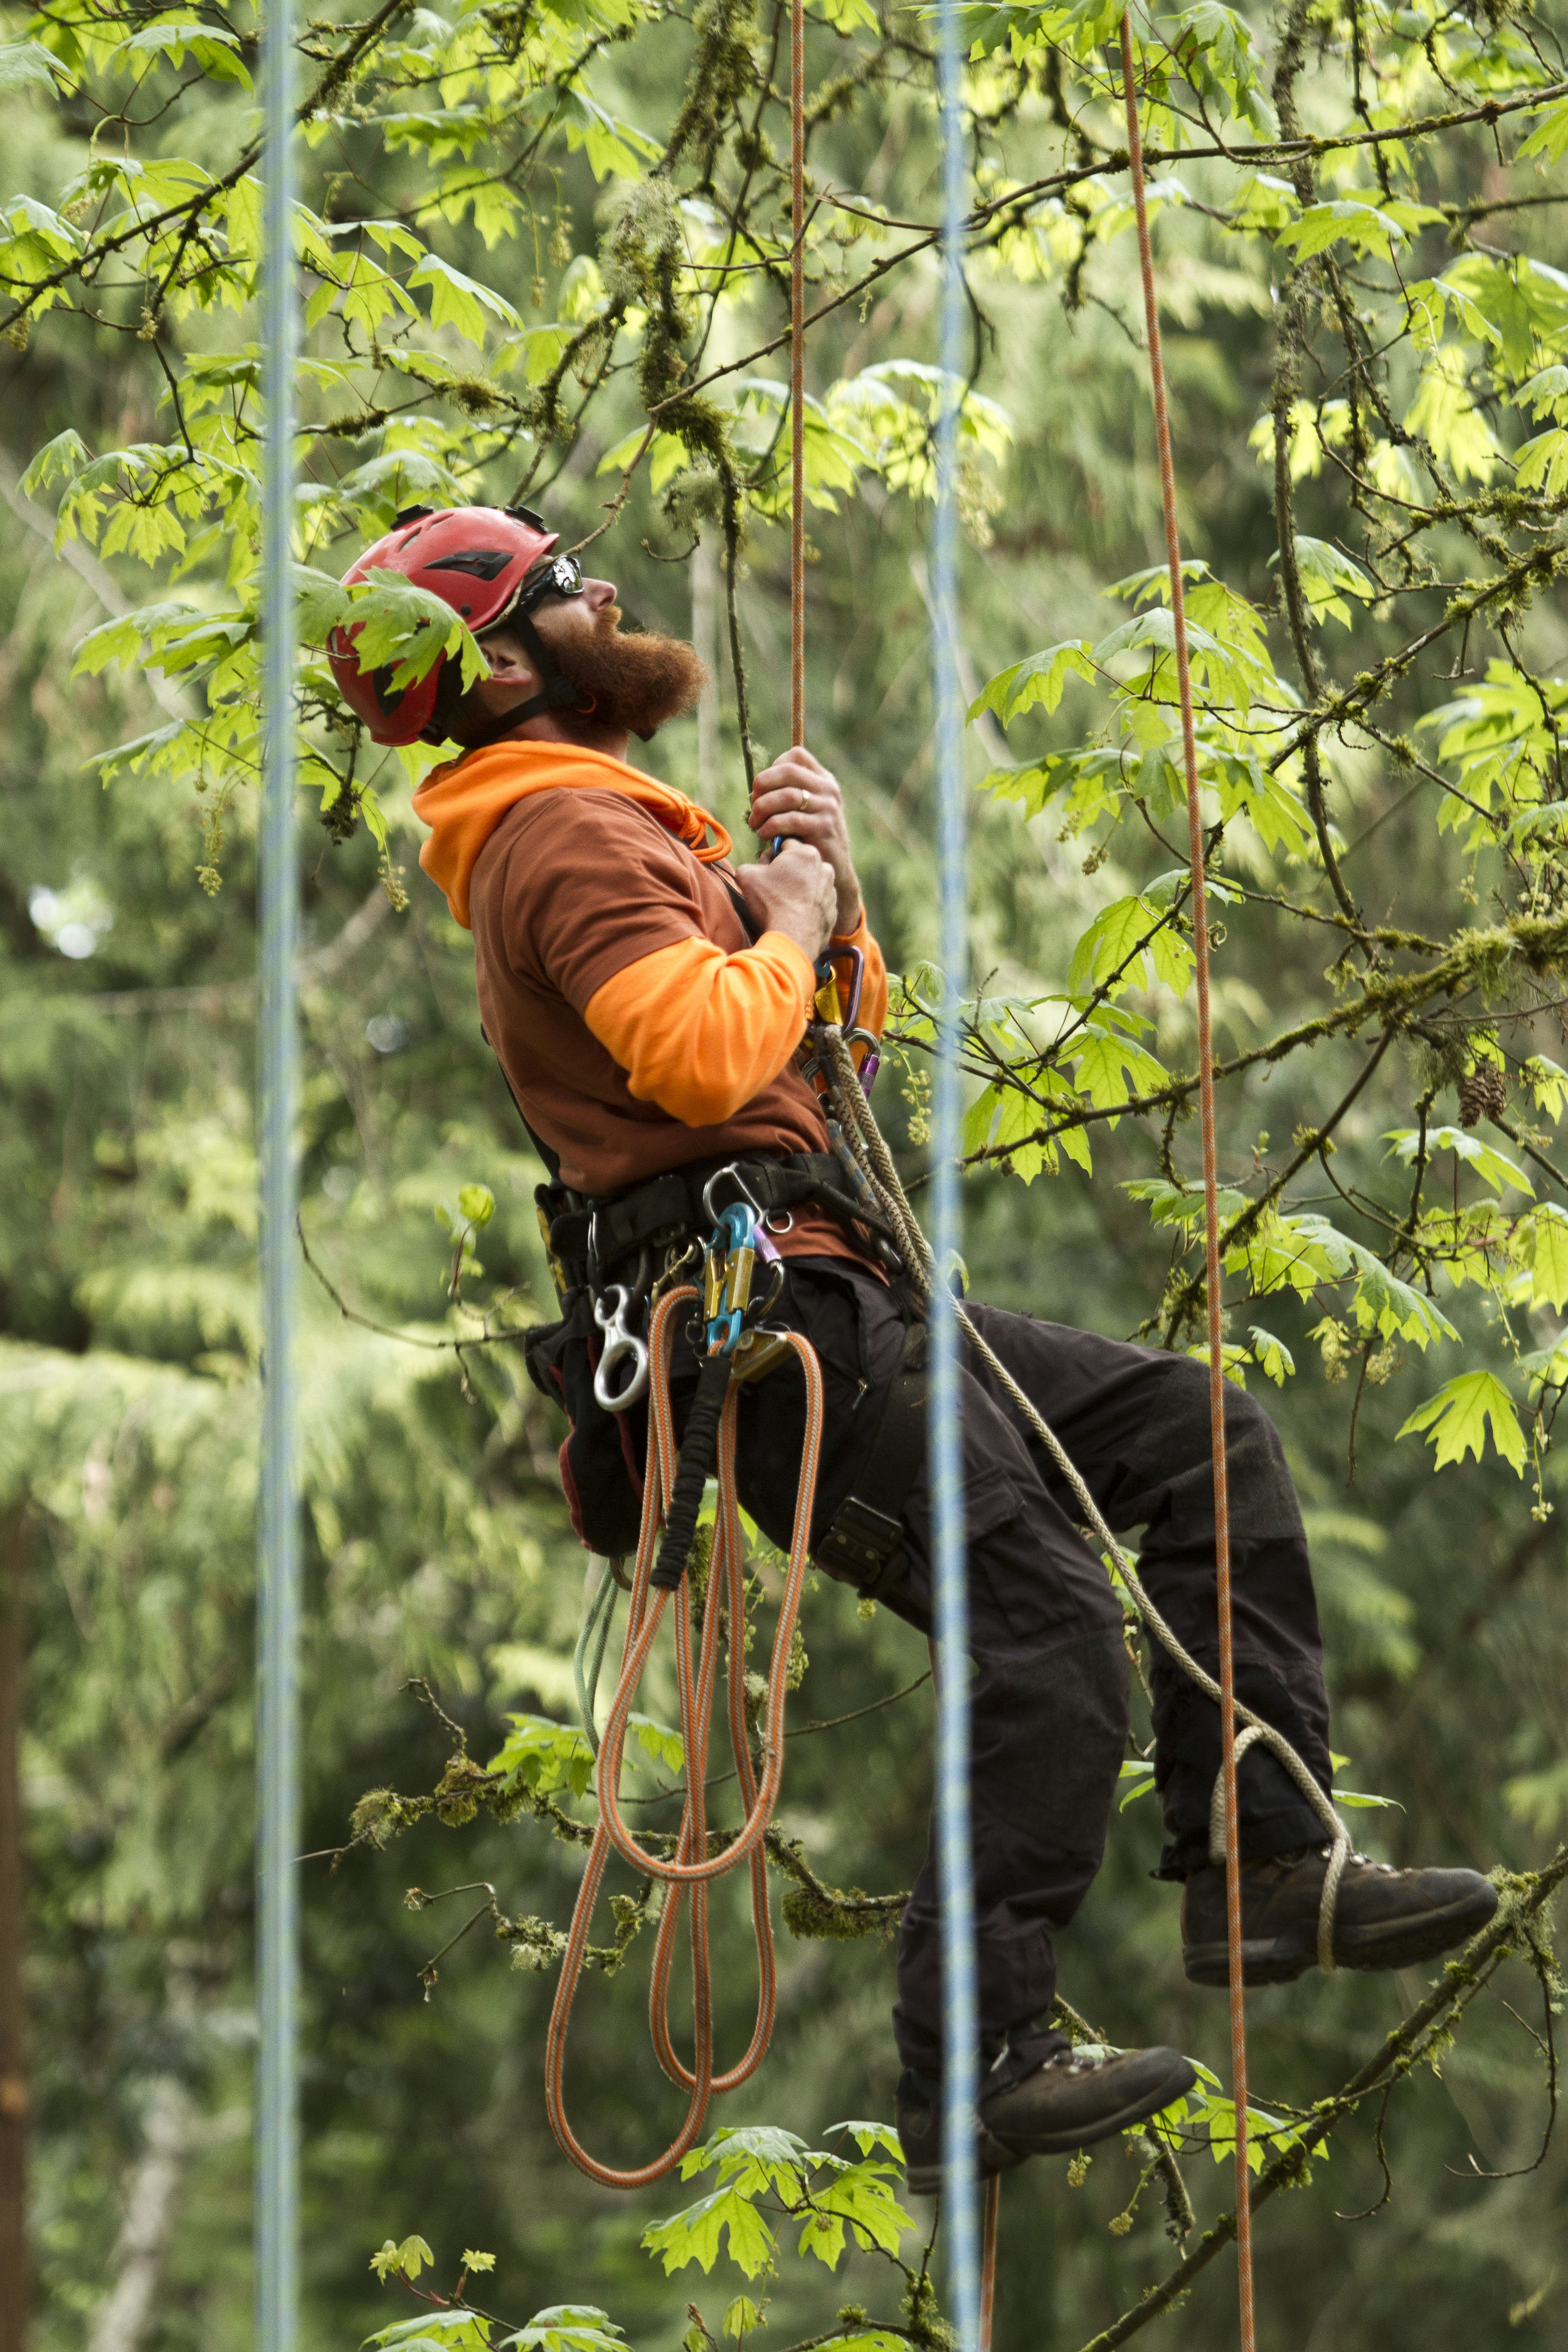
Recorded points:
639,1026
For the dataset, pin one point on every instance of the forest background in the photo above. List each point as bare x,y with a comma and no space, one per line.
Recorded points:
528,227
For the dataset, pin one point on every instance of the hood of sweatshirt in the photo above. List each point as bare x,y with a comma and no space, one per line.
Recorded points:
464,802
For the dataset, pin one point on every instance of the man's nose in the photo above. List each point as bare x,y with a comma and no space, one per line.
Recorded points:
599,593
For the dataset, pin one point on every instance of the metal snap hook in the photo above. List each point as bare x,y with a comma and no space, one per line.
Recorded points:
610,1312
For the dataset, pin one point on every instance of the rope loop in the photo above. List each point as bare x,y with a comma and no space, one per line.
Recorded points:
688,1872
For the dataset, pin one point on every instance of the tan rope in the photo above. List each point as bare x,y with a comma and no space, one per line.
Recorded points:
988,2262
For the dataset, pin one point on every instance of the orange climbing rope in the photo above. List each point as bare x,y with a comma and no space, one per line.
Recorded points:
687,1874
797,375
1211,1203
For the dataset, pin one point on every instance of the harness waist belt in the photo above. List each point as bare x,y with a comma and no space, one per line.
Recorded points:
611,1230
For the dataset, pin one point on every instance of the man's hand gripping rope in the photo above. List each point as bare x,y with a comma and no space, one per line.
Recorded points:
731,1318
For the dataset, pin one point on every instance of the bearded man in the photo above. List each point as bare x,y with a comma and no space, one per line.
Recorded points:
647,1000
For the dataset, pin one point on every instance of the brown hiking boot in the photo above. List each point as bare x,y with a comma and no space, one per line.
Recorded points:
1383,1917
1071,2100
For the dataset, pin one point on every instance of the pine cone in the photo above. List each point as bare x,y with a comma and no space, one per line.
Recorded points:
1483,1094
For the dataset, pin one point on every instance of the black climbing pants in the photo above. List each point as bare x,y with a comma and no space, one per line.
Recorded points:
1049,1665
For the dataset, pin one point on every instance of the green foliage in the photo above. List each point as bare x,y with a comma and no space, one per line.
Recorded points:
1456,1420
543,255
837,2203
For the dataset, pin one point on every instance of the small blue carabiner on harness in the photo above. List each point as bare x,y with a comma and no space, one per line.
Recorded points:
740,1239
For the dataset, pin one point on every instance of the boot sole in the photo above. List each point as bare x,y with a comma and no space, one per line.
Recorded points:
1397,1944
995,2155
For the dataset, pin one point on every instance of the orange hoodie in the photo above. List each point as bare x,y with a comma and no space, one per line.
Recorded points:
698,1032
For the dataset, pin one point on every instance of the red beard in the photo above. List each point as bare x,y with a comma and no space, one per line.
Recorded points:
639,682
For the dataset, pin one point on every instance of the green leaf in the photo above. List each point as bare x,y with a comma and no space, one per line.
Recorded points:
214,51
1542,463
1182,1204
1328,576
1111,1068
860,2199
657,1740
545,1755
693,2236
1546,393
66,455
1456,1421
1221,61
1548,1083
1549,137
22,62
1357,221
477,1204
435,2331
868,2137
742,2316
1271,1354
1493,1167
1138,1774
1039,679
566,2327
1445,412
458,301
1544,1239
753,2158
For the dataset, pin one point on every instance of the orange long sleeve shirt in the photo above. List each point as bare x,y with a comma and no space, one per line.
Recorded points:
700,1033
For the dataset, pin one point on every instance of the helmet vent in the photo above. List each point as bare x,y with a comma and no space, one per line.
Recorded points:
484,563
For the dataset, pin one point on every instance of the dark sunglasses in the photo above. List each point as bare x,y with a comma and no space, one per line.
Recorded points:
562,577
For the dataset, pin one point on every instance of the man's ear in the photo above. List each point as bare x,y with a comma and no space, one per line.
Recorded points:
509,665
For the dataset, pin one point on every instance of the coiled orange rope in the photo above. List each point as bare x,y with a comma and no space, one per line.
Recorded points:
687,1874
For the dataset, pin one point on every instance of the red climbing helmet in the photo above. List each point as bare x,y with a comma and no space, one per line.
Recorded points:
475,558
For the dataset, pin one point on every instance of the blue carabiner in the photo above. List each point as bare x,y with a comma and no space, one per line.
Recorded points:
735,1231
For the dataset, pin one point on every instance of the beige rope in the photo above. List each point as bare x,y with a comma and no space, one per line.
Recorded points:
876,1162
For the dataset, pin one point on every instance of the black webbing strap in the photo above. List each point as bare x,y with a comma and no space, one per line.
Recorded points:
698,1452
867,1528
673,1203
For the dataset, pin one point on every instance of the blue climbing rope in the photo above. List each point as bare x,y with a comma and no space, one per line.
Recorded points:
960,2030
277,1596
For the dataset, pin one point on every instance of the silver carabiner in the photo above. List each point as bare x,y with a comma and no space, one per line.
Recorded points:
619,1343
710,1212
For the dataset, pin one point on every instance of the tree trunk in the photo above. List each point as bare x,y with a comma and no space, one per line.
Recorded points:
124,2318
13,2050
